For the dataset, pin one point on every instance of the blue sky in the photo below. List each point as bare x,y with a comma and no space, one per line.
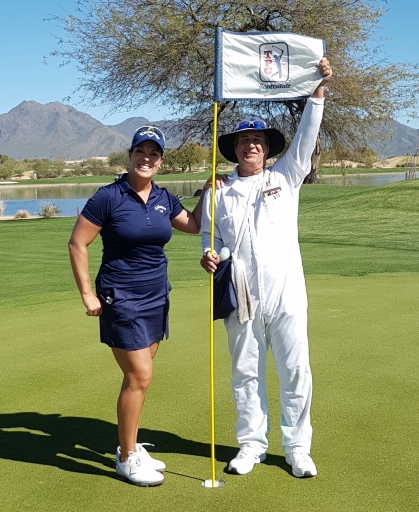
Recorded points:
25,38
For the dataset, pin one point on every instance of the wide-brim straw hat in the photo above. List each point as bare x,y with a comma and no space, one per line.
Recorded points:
275,137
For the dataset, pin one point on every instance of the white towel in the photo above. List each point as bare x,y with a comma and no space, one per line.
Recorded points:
244,301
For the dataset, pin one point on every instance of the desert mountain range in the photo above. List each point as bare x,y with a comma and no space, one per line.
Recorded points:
56,130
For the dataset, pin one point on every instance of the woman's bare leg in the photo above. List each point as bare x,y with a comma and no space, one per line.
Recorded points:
137,367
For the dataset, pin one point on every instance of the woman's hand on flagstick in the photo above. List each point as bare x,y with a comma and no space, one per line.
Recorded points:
209,261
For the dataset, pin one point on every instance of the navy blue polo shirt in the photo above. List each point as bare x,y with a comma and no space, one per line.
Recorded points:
133,233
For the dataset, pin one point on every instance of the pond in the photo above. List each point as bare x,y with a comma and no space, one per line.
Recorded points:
364,180
71,199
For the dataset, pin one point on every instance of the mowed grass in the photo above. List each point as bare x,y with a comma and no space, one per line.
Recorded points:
59,384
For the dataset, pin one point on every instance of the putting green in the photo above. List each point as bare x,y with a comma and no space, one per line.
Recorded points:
59,384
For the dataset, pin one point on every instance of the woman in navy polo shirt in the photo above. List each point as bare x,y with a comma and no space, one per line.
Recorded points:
134,218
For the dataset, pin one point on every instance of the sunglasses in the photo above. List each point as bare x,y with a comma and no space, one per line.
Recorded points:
256,125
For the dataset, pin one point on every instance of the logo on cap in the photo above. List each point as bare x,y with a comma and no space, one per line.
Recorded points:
148,133
151,132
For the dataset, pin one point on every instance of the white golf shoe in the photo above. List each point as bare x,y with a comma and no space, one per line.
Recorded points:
134,471
147,459
244,461
302,465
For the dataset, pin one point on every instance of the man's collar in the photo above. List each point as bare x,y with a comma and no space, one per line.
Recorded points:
244,175
239,183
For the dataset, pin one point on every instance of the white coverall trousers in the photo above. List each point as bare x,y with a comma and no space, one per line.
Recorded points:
280,323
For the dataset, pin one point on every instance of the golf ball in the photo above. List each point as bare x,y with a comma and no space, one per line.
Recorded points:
224,253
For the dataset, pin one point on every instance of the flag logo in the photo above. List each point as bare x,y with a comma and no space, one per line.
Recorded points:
274,62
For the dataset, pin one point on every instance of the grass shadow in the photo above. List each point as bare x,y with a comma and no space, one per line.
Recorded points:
166,442
80,445
85,445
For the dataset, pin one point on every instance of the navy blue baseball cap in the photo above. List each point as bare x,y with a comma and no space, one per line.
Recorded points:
148,133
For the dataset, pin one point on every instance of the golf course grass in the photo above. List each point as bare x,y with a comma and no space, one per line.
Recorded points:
59,385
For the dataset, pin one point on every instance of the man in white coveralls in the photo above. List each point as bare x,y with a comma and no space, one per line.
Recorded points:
276,314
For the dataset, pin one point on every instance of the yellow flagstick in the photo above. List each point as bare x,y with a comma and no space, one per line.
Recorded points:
213,482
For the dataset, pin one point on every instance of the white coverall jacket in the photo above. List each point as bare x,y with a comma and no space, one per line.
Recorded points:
274,271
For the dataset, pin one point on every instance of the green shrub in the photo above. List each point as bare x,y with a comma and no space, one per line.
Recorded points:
49,173
5,173
77,170
45,168
10,167
119,159
116,170
96,167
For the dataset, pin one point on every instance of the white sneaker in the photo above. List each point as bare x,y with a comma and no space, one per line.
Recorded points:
147,459
136,472
244,461
302,465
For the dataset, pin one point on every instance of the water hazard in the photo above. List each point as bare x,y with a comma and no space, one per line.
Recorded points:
71,199
364,180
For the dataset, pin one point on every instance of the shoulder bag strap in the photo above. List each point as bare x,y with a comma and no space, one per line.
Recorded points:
244,222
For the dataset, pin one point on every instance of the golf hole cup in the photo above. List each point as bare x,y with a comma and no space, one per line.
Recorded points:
224,253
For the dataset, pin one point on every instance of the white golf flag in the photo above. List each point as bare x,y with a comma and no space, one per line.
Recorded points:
266,65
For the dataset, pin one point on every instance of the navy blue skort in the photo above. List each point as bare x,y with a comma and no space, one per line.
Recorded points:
134,317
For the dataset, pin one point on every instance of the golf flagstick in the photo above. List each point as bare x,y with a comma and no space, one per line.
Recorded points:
245,66
212,482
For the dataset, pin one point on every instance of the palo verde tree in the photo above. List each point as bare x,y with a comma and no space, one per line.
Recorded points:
136,51
191,154
184,157
119,159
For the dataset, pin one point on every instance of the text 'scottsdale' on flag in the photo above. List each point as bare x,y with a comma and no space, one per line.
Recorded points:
266,65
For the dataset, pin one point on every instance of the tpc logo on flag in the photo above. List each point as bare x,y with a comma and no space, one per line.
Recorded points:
274,62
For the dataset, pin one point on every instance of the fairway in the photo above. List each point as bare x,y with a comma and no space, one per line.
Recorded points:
59,385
